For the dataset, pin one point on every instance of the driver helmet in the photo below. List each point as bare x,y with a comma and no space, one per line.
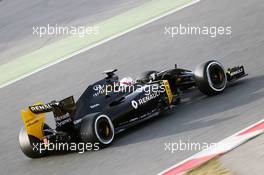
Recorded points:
126,81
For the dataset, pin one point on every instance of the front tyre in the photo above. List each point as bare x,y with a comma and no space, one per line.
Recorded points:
97,129
211,77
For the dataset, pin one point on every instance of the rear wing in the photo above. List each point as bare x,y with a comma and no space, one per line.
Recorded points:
34,116
33,122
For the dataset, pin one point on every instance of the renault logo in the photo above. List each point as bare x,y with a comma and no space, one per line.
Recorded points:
134,104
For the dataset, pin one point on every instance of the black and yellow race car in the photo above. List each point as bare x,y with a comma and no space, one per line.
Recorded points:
110,106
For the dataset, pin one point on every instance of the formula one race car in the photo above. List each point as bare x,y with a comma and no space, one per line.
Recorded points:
110,106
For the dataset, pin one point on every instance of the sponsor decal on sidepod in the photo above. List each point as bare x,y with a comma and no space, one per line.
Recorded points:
141,101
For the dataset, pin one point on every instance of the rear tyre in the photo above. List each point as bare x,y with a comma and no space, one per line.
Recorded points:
211,78
97,129
30,145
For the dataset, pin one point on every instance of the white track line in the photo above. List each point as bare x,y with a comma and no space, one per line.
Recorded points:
97,44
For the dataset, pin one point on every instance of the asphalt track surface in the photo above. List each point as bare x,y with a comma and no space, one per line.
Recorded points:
18,17
140,150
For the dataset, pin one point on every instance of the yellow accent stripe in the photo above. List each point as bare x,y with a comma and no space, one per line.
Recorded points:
168,90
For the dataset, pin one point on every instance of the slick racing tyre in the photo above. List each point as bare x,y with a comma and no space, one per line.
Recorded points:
97,129
211,78
30,145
